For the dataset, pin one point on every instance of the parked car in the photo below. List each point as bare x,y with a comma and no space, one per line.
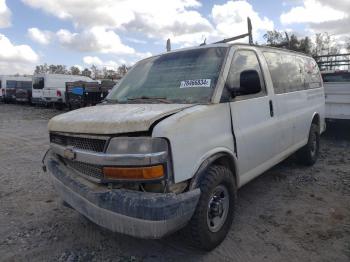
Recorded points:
24,91
8,86
181,133
337,90
80,93
50,88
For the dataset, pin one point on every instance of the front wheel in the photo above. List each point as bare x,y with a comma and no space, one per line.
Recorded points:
214,213
308,154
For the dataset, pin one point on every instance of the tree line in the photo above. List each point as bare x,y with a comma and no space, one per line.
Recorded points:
323,44
93,72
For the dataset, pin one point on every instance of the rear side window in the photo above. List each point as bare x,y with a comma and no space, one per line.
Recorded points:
11,84
291,73
38,83
336,77
312,73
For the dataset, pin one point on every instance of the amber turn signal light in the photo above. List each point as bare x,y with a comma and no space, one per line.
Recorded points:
126,173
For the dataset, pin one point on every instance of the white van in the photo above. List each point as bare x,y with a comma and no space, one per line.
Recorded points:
337,90
8,85
51,88
181,133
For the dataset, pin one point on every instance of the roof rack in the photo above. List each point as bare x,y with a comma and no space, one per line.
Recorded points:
332,61
249,34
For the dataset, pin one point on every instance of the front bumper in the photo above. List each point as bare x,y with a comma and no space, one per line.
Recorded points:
38,100
135,213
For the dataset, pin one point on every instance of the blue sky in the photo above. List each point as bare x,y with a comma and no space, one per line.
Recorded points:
109,33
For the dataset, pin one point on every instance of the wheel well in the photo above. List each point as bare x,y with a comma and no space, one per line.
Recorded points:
222,159
316,120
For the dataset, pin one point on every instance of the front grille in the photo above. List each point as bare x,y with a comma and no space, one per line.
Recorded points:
89,170
84,143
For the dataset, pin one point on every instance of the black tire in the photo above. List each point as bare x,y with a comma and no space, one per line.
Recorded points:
199,227
308,154
58,106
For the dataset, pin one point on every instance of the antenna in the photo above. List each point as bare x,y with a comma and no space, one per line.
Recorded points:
168,45
249,34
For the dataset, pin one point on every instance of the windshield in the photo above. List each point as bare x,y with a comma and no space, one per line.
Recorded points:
38,83
180,77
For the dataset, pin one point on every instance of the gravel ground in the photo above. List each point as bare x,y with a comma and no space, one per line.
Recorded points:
290,213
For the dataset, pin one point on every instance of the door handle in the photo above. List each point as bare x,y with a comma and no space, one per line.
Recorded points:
271,108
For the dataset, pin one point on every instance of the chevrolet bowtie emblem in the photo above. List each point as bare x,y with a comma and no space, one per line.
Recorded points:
69,153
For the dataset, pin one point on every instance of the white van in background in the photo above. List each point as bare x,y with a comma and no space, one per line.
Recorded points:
337,90
51,88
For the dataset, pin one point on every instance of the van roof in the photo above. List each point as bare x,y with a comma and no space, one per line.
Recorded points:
265,48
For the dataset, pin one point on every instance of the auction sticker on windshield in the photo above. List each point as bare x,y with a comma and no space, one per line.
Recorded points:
195,83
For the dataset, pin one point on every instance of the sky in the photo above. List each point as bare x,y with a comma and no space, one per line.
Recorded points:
108,33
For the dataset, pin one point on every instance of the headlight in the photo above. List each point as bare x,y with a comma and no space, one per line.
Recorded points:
137,145
151,154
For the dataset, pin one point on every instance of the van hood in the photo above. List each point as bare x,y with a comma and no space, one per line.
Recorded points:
113,119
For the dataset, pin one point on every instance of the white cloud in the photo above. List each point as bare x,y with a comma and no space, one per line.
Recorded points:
313,11
5,15
153,18
96,39
230,19
322,16
39,36
16,58
92,60
109,64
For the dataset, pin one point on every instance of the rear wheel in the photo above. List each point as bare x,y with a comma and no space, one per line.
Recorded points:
213,216
308,154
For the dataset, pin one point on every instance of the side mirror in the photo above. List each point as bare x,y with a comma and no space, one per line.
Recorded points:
249,84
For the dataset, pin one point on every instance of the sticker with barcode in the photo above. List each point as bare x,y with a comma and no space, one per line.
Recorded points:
195,83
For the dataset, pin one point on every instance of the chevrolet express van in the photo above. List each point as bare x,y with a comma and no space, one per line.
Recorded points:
51,88
181,133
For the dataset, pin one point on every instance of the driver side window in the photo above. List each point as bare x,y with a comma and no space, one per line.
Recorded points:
245,78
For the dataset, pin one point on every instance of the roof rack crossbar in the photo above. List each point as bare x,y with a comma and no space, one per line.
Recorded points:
249,34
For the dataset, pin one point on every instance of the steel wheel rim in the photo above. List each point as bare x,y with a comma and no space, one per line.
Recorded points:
218,206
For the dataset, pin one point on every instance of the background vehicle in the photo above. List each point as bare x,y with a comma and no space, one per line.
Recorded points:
24,92
9,84
50,88
337,90
81,94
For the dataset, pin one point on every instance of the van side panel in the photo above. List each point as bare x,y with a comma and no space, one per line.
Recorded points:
299,94
196,133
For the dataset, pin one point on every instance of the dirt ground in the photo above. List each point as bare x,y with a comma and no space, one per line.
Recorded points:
290,213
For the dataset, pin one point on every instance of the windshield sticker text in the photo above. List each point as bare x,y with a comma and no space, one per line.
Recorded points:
195,83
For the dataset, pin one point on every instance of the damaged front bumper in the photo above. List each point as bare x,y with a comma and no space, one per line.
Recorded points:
135,213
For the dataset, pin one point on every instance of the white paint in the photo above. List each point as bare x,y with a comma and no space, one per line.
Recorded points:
337,100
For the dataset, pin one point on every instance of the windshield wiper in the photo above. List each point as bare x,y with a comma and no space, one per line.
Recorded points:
158,99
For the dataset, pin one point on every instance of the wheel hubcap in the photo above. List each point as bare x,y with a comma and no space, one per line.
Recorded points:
218,208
